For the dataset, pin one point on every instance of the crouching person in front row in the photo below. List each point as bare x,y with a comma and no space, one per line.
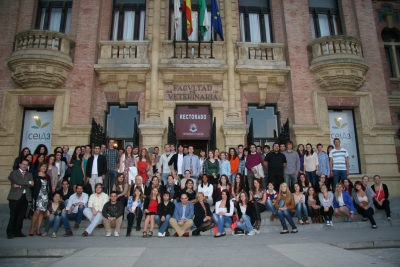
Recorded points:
112,214
183,217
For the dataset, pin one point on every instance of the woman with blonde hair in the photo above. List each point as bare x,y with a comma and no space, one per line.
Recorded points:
177,179
126,160
285,205
202,215
135,209
326,200
343,204
143,164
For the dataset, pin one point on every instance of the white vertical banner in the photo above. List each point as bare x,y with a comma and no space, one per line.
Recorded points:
341,125
38,126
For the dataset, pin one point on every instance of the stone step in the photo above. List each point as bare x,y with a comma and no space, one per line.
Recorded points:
263,229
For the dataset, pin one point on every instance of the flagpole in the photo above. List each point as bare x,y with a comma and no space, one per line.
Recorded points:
211,42
198,35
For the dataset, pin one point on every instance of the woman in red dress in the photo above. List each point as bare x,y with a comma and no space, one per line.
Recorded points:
150,207
143,164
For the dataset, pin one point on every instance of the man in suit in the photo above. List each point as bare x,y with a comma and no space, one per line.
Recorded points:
96,167
20,194
183,217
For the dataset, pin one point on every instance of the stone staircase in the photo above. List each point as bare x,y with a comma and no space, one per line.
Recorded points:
266,225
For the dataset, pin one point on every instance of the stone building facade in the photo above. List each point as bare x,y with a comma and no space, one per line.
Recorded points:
302,58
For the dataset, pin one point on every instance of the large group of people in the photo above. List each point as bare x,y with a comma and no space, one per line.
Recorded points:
180,190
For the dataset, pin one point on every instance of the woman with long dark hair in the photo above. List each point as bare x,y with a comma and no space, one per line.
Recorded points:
75,163
363,203
238,186
24,152
223,213
40,149
52,173
35,166
311,164
143,165
301,151
258,197
234,161
246,214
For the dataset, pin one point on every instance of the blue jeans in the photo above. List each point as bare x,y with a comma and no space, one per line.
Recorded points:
246,224
312,177
164,177
222,221
336,174
290,180
111,177
53,221
232,178
288,214
164,225
299,208
65,217
270,206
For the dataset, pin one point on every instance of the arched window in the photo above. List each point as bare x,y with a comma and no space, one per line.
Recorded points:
391,39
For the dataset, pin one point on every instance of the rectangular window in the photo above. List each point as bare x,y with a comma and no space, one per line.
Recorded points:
128,20
181,32
254,21
54,16
324,18
265,122
388,61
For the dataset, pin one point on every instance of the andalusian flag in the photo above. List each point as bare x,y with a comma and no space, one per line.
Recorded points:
204,21
187,6
177,13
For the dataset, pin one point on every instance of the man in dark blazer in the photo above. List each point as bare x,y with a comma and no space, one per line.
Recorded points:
20,194
96,168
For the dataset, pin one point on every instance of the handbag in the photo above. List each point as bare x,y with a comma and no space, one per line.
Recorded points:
133,172
239,231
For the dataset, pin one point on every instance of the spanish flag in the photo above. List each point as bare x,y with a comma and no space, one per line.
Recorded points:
187,6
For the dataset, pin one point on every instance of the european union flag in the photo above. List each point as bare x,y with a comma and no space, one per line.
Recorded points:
216,19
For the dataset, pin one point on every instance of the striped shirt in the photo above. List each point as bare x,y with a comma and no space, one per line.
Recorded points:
339,159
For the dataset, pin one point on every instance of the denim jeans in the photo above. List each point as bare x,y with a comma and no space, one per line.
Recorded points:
53,221
270,206
111,177
290,180
164,177
288,214
232,178
246,224
336,174
221,222
299,208
65,217
312,177
164,225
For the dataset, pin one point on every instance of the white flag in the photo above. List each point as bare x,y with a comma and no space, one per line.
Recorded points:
177,13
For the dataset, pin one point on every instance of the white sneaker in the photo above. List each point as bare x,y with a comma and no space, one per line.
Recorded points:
252,232
115,233
327,223
161,234
108,234
257,231
330,223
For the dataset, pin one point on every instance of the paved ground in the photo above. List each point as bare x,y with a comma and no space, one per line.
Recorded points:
303,249
391,255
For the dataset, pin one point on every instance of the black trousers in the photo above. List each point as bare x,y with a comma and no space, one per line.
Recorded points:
17,215
259,208
366,213
132,216
313,213
327,214
385,206
276,180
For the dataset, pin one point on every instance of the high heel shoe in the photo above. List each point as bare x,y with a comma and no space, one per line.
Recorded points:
38,233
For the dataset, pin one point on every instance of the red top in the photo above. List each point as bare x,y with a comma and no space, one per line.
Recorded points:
380,194
142,170
153,206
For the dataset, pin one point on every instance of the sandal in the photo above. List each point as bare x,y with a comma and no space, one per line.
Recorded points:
284,232
54,235
294,231
38,233
389,219
44,234
150,233
301,222
307,222
144,234
374,227
365,219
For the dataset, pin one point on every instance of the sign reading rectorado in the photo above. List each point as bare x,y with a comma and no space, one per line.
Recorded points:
193,92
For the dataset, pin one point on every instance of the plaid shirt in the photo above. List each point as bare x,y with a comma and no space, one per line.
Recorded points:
112,159
242,166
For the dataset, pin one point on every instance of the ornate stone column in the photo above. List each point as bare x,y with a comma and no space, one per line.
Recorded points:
152,129
233,128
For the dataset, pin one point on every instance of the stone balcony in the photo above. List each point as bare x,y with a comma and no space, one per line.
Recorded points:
262,64
193,62
337,62
41,58
122,67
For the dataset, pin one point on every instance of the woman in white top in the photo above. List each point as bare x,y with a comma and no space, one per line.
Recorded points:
326,199
311,165
300,200
207,189
223,213
202,158
126,161
363,203
60,166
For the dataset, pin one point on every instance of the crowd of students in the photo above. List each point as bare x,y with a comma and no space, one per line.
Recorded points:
185,191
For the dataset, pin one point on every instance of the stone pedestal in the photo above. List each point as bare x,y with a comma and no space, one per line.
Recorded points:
152,131
234,132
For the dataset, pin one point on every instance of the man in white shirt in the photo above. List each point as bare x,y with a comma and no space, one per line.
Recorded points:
95,208
164,167
74,210
339,163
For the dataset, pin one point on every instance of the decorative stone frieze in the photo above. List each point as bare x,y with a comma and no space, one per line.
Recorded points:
41,58
337,62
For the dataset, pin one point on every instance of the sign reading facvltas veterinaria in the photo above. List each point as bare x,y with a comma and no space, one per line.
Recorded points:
193,92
